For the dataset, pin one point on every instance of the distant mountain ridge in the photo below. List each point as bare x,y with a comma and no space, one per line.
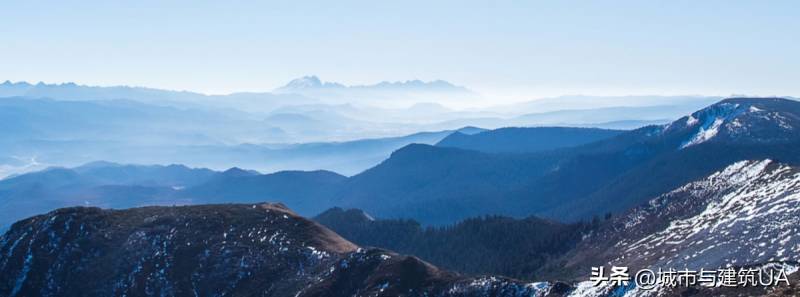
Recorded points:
46,132
400,94
605,176
439,185
96,184
525,140
719,187
312,82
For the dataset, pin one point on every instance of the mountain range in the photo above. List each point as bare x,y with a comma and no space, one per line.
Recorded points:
70,124
505,212
740,216
442,185
313,82
384,94
43,132
743,216
600,172
308,192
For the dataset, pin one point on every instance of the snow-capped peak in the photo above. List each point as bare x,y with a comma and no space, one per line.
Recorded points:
745,119
307,82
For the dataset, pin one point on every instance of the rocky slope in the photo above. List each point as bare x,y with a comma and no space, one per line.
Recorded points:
214,250
745,215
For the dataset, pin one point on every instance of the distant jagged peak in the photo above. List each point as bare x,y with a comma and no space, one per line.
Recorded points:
416,83
9,83
42,84
309,82
312,82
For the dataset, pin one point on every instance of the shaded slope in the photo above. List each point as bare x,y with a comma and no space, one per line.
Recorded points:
525,140
696,146
485,245
442,185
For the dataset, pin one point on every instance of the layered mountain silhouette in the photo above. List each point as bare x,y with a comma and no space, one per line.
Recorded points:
714,189
312,82
112,185
70,124
442,185
179,99
71,133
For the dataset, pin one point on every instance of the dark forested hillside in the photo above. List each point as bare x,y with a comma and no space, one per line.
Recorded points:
516,248
525,140
443,185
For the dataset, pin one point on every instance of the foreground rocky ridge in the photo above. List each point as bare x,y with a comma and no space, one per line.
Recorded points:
213,250
745,215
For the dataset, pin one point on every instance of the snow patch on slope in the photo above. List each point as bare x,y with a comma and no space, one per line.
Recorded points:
713,118
705,133
691,120
752,221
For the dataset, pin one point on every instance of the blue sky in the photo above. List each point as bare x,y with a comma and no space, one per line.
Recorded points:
511,49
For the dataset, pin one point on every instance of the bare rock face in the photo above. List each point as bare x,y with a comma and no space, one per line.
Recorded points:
213,250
